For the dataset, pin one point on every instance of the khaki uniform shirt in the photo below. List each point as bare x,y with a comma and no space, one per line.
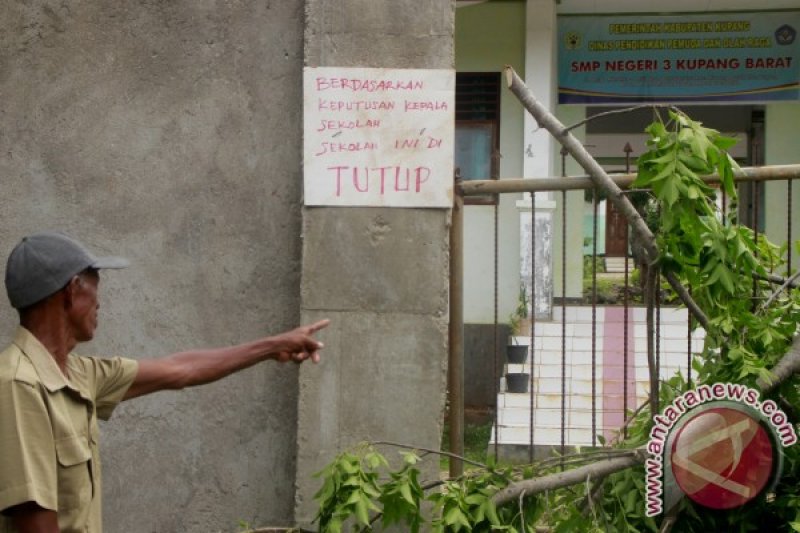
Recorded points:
48,430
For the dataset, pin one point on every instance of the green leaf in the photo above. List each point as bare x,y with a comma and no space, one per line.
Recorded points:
725,143
667,171
456,518
405,491
669,193
491,512
630,501
361,511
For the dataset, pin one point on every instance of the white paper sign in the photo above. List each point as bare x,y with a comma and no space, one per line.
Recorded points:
378,137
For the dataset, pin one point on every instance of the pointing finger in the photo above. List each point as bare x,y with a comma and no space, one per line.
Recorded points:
316,326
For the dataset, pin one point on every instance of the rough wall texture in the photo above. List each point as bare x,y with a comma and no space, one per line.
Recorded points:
380,274
170,132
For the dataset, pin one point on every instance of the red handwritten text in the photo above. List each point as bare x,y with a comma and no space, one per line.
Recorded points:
425,105
387,179
356,124
333,147
359,105
370,86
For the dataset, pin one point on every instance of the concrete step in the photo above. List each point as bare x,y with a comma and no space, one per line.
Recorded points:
616,265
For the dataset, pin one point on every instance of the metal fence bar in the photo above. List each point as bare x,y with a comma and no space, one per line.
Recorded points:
789,227
496,305
626,308
533,323
563,322
756,199
595,194
658,327
689,348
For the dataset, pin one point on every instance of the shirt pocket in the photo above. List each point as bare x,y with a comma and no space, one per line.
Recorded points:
74,472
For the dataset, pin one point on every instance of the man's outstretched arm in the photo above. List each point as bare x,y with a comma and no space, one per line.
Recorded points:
196,367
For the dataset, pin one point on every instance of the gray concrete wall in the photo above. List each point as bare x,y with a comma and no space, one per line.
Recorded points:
170,132
380,274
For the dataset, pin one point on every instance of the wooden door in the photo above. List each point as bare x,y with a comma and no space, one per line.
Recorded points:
616,232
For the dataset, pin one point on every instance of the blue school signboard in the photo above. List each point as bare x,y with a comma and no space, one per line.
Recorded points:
708,57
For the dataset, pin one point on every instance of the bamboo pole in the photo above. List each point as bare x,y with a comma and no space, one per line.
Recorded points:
455,366
623,181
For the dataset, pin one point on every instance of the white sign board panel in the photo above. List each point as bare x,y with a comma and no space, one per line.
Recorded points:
378,137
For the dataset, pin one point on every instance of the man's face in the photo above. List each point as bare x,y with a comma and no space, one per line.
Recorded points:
83,312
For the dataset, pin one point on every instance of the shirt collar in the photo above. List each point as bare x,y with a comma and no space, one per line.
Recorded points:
45,364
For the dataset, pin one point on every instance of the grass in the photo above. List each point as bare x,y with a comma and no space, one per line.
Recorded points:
476,441
610,288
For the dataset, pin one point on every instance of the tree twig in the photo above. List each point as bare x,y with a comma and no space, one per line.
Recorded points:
428,450
593,493
617,111
630,420
786,284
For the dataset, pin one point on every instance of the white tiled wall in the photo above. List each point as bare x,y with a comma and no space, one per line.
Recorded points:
514,409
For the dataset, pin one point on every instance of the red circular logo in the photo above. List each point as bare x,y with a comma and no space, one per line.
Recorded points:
722,458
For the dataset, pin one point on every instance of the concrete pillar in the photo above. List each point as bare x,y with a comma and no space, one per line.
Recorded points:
540,77
781,121
542,301
380,274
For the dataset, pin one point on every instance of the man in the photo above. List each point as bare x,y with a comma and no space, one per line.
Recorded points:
50,398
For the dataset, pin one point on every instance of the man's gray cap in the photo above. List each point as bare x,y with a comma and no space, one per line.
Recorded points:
43,263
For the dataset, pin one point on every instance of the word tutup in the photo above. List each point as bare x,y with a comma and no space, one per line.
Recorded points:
389,179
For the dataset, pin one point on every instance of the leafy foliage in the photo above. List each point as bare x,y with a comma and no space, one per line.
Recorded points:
349,490
722,261
725,265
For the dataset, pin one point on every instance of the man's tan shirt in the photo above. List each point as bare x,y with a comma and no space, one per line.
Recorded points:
48,430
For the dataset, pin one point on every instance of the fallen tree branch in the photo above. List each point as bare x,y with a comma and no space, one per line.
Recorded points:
786,367
651,287
545,119
778,280
595,470
786,284
686,298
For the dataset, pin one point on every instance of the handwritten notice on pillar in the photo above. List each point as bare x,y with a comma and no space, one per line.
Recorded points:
378,137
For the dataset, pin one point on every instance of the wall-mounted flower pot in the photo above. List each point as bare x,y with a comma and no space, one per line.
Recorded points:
517,382
517,354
